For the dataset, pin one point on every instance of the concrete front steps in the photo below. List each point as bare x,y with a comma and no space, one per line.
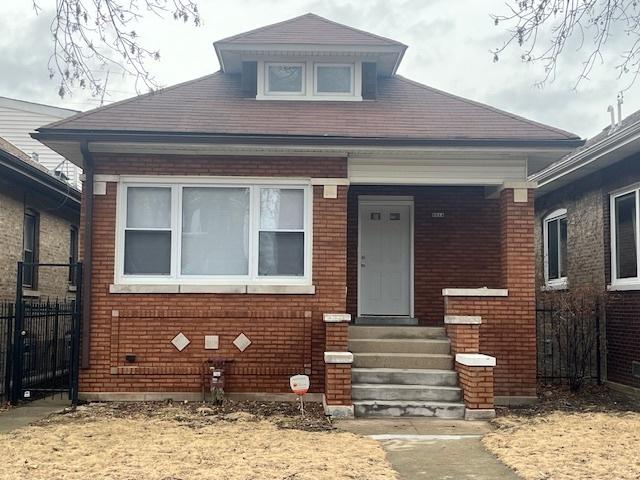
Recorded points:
403,371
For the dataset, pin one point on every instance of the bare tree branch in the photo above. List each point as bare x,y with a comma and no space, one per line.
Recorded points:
89,36
590,23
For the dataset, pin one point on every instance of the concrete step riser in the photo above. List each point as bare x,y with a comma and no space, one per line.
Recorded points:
399,346
439,362
381,410
395,332
405,378
406,394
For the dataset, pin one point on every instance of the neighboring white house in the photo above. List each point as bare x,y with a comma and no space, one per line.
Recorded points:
18,118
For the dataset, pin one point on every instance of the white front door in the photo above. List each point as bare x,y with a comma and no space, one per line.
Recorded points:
385,258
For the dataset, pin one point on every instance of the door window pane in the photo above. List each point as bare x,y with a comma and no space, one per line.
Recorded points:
215,231
285,78
281,254
148,207
553,254
147,252
626,243
333,79
281,209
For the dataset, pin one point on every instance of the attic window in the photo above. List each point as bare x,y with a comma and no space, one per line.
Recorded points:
285,78
333,79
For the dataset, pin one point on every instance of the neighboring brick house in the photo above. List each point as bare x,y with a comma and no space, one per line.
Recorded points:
580,243
254,213
39,221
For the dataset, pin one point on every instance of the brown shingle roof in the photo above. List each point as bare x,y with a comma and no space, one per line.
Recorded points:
310,29
404,109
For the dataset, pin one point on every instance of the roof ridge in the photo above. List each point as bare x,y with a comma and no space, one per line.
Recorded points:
310,15
514,116
127,100
39,104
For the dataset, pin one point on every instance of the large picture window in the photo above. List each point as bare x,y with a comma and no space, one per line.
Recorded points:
222,233
555,248
624,238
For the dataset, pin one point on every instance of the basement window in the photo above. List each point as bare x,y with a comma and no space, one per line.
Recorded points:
214,233
555,249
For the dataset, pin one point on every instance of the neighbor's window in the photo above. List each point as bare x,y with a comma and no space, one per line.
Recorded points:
30,249
285,78
223,232
333,79
555,247
73,254
624,229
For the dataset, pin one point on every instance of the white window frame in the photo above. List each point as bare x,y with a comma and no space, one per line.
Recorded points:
276,93
350,93
561,282
631,283
177,184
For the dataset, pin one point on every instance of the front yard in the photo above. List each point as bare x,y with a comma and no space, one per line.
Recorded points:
164,441
595,435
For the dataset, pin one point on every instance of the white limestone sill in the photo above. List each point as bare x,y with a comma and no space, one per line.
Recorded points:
228,289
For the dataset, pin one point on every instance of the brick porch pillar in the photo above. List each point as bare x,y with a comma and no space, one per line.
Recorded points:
511,337
338,360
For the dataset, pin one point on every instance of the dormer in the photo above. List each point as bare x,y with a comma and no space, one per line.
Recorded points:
309,58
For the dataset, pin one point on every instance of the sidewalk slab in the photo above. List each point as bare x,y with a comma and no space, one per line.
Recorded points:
29,413
434,449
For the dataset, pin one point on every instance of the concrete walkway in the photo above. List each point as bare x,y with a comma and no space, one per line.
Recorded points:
30,412
434,449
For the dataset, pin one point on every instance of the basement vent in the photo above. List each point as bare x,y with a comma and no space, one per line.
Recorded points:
635,369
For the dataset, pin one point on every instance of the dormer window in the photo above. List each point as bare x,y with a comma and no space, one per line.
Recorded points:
304,80
285,79
333,79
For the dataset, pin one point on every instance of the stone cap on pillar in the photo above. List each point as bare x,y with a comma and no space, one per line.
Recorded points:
475,360
462,319
338,357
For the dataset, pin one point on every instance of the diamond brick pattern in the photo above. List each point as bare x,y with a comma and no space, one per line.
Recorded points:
242,342
180,341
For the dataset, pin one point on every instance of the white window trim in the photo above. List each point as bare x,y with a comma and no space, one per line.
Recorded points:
176,184
276,93
631,283
555,283
351,91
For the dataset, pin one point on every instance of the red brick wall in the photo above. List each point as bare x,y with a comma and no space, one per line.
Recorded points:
464,338
462,249
338,384
508,330
477,386
287,331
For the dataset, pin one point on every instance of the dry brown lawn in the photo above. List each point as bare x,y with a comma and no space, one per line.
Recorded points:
176,442
569,445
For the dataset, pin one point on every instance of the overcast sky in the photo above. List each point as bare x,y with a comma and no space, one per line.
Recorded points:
449,44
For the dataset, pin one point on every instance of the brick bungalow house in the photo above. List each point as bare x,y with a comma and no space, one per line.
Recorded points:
587,236
254,213
39,220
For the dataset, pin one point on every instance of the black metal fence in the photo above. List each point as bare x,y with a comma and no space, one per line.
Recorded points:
39,342
7,319
568,341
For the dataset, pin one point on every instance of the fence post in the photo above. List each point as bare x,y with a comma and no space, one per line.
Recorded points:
598,311
74,364
16,364
10,319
